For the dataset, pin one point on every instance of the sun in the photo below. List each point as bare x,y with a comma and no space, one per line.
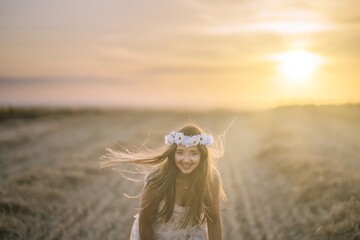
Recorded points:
297,66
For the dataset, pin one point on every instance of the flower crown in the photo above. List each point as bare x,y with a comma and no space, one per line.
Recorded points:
180,139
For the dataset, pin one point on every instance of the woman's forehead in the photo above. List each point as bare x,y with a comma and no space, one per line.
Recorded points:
191,148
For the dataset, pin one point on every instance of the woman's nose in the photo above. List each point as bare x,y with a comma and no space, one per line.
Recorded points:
186,158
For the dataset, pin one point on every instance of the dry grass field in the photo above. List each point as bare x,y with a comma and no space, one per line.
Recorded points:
289,173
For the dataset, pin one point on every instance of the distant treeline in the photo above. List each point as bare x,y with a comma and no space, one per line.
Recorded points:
7,113
17,112
328,106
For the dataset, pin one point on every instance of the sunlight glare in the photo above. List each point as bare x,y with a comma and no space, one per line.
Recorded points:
297,65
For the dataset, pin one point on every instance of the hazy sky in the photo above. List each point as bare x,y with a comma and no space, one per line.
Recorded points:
179,53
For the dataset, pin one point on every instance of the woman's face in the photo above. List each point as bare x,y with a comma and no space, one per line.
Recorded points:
187,159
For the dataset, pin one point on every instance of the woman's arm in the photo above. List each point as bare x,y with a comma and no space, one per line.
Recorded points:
147,216
214,223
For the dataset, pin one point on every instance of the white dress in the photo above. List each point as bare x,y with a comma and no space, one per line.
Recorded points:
171,230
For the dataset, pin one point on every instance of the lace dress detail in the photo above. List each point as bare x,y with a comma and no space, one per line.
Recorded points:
171,230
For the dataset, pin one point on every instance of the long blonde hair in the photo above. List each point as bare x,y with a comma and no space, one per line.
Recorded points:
161,181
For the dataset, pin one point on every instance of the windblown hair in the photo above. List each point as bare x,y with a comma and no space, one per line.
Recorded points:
161,181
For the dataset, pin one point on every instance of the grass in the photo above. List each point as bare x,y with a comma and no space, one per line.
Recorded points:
289,173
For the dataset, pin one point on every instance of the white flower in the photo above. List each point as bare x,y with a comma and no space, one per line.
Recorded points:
169,139
209,139
187,141
195,140
202,139
179,136
205,139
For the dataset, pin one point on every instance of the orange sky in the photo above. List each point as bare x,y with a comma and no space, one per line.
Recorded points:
182,53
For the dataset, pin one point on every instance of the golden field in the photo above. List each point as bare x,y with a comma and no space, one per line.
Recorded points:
289,172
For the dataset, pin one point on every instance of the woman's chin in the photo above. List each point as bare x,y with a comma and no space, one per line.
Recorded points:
186,171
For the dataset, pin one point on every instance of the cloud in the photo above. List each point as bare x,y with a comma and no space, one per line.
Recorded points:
280,27
248,11
60,81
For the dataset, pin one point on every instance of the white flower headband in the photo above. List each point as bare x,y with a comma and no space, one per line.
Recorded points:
189,141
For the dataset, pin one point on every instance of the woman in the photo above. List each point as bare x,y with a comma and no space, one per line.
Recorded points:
182,192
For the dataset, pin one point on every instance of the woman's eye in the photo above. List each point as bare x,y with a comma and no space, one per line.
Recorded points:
179,153
194,154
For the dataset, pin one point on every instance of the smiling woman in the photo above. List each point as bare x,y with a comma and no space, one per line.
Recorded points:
182,192
297,66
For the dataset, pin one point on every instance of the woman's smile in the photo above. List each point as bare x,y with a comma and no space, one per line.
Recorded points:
186,166
187,159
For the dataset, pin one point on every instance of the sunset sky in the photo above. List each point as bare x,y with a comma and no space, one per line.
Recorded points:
180,53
